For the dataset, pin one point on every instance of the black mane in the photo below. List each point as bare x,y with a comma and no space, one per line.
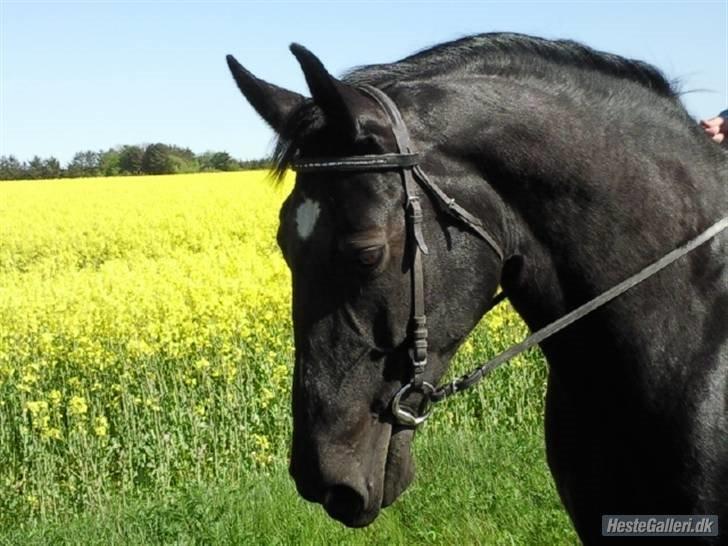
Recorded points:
504,54
511,54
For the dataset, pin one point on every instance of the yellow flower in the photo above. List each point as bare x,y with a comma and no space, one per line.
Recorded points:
36,407
32,500
265,396
77,406
261,441
54,397
51,432
202,364
101,426
261,455
280,374
29,378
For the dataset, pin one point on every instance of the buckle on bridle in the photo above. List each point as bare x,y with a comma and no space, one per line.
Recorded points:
419,364
414,208
402,415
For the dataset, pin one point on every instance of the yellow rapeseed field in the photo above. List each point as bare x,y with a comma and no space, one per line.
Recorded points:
128,309
145,336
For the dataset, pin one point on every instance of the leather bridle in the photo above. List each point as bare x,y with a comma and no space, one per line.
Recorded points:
406,161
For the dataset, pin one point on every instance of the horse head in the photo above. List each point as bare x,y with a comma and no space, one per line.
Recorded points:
346,239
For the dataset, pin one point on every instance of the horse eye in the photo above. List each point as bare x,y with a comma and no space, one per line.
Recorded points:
370,257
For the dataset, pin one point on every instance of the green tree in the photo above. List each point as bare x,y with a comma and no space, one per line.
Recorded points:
182,153
218,161
255,164
12,169
52,168
157,160
86,163
110,162
131,159
184,159
44,168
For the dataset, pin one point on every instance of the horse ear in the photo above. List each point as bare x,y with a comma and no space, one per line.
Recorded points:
274,104
335,98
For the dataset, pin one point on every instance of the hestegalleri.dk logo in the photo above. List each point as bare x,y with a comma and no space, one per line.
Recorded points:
659,525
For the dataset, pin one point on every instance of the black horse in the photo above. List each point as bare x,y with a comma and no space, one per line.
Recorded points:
585,167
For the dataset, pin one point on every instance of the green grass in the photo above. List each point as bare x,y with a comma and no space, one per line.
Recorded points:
470,489
482,476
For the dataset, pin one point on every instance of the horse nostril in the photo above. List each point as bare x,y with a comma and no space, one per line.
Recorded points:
343,503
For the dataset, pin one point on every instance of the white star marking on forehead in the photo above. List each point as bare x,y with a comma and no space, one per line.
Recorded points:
306,215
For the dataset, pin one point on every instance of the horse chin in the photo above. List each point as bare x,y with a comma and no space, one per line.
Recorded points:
394,471
399,470
398,474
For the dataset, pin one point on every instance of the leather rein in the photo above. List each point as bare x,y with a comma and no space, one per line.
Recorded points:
406,161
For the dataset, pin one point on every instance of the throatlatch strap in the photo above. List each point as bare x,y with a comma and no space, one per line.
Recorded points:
447,203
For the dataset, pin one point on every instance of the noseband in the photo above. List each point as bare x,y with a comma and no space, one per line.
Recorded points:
406,161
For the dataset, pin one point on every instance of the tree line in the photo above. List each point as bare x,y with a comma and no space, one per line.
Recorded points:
126,160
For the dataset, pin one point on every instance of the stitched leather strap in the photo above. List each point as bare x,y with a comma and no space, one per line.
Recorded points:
370,162
418,320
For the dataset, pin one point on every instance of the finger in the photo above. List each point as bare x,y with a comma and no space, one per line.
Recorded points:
713,122
719,137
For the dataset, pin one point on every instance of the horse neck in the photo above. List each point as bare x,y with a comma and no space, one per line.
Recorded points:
592,198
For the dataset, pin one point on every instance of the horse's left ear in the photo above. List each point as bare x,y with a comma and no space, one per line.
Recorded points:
335,98
273,103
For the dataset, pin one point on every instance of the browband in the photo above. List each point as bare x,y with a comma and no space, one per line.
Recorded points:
370,162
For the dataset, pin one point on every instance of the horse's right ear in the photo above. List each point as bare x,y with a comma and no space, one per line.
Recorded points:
273,103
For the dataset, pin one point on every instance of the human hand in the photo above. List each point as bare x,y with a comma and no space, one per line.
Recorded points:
716,127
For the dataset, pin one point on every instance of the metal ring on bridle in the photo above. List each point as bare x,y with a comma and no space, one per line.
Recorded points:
405,417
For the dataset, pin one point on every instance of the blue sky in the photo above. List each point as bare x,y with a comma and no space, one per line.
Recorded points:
95,74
